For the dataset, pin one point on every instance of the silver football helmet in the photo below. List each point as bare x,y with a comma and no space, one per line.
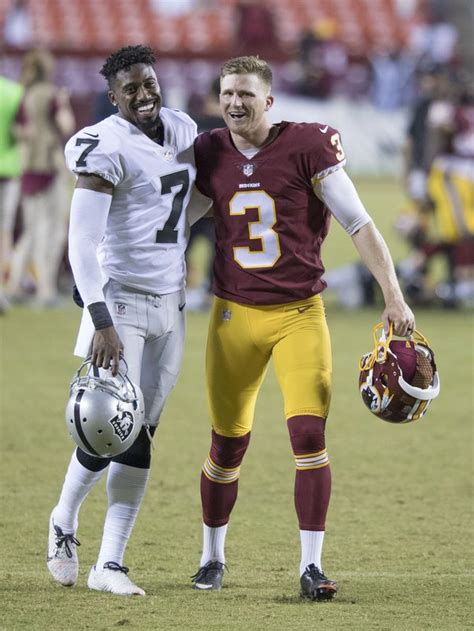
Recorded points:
104,415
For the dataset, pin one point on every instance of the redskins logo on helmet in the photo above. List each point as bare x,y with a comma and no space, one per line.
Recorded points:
104,415
398,379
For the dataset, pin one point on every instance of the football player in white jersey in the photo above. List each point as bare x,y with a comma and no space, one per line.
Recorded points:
127,238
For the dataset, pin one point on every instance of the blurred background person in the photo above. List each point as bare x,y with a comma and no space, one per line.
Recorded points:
255,28
322,60
44,121
17,27
10,97
434,40
392,78
451,188
413,223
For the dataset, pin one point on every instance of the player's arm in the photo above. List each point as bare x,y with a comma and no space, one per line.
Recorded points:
375,254
90,207
339,194
199,206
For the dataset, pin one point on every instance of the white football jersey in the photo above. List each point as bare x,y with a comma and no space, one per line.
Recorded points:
147,228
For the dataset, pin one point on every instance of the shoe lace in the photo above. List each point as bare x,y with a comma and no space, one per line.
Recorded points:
315,573
116,567
211,566
65,540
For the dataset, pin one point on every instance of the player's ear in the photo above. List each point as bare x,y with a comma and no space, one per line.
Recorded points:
112,98
269,102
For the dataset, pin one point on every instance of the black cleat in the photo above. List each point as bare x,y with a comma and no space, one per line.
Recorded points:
209,577
316,586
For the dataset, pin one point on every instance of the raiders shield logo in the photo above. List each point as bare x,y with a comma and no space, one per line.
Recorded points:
248,169
122,426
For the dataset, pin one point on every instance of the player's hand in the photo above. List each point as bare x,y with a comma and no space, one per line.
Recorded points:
399,314
106,349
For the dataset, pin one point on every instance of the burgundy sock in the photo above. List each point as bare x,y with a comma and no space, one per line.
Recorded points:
313,473
219,478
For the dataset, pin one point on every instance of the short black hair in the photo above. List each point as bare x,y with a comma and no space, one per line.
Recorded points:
125,57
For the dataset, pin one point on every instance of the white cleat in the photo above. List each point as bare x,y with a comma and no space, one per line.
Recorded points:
113,578
62,558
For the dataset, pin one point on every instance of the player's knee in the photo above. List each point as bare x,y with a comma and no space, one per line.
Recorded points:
139,454
307,434
227,451
222,466
93,463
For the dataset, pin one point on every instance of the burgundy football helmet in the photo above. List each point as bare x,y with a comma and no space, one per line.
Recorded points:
398,379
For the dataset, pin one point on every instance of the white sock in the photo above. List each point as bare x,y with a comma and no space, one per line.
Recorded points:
213,544
125,490
77,484
311,548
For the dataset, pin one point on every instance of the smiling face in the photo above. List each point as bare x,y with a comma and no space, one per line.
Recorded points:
136,92
245,99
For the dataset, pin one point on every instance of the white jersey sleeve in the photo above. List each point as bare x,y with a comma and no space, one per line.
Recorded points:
95,150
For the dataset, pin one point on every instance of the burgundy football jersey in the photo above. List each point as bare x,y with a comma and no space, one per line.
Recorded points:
269,223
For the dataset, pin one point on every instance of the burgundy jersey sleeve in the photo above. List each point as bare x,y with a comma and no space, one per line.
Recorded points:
269,224
328,154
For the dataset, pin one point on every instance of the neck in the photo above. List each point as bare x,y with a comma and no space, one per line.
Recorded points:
257,139
154,131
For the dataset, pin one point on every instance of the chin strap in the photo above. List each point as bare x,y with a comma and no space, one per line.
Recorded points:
149,434
380,351
381,345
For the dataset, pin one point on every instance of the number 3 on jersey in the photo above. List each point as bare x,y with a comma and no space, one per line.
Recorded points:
262,229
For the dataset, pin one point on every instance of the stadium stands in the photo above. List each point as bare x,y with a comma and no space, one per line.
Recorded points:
100,26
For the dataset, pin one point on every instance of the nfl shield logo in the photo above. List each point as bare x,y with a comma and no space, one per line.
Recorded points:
226,314
247,169
168,155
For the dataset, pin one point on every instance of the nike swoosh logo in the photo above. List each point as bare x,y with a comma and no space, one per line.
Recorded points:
323,130
203,586
92,135
181,307
303,309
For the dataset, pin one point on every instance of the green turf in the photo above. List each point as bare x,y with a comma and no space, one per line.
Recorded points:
399,538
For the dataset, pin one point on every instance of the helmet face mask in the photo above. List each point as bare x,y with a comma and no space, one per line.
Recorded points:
104,415
398,379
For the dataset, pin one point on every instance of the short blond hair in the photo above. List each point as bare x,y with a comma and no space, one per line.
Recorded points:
248,65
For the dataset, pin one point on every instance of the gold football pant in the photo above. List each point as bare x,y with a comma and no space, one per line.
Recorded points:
451,188
242,339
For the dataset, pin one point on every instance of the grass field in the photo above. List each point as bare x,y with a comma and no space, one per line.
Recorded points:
399,537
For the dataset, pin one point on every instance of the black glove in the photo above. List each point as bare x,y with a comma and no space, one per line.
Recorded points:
76,296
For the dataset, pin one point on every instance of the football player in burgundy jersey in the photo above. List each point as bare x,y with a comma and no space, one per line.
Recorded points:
274,189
